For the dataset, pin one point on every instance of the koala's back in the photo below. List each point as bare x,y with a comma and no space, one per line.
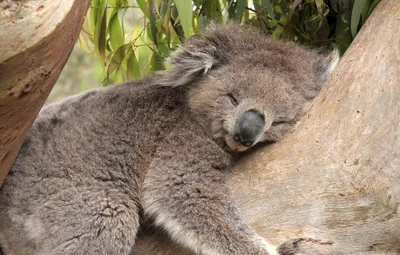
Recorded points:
103,138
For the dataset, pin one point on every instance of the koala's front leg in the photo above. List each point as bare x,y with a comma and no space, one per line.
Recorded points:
185,193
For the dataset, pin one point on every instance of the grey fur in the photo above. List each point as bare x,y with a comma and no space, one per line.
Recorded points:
91,162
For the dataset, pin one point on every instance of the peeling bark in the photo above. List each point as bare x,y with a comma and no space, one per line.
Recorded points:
36,39
336,177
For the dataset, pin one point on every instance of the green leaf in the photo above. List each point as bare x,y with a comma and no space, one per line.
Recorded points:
334,5
343,36
319,4
143,6
372,7
116,34
117,58
153,27
231,10
116,3
118,77
177,25
166,18
94,5
100,31
270,9
156,62
364,11
257,5
185,15
356,15
293,8
132,69
85,37
165,23
240,5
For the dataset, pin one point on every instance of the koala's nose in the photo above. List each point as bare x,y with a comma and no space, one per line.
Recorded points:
248,128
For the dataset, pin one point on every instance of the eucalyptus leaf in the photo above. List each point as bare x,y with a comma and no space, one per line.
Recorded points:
153,27
270,9
240,5
356,16
185,15
161,25
100,31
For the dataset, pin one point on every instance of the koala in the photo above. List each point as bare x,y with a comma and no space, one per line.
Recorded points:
96,164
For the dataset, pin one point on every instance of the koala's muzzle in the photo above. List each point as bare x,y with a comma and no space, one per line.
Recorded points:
248,128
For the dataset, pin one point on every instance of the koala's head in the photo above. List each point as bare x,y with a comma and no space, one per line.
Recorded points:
245,87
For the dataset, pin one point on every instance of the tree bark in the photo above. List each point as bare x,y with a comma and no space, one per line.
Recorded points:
336,177
36,39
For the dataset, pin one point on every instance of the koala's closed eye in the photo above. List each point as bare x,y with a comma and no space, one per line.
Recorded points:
234,101
282,122
277,123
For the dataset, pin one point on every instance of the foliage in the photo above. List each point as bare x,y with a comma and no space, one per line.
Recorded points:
127,52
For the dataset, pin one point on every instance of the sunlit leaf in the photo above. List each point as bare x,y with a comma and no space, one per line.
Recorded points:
185,14
116,34
164,24
133,69
166,17
319,4
117,58
118,74
156,62
100,31
143,6
85,37
153,27
93,11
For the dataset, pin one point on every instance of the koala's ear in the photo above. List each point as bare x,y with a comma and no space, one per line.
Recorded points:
326,64
194,59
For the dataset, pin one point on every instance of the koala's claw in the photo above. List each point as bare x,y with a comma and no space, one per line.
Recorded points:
289,247
296,241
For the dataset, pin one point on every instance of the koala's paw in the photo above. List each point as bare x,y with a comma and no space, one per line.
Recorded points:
304,246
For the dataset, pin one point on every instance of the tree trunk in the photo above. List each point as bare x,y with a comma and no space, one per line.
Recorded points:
336,177
36,39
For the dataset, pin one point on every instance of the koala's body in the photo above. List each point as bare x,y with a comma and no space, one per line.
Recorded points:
162,145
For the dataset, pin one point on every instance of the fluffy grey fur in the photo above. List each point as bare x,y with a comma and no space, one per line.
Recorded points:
162,144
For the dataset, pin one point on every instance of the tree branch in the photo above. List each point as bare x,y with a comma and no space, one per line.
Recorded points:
36,39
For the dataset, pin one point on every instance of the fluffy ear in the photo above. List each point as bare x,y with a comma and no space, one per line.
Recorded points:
326,64
193,59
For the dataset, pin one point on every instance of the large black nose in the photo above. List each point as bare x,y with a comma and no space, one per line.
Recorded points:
248,128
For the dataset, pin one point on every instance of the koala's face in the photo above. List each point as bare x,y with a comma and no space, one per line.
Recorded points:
244,87
245,104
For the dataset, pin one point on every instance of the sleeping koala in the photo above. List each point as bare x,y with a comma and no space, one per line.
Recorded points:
162,145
